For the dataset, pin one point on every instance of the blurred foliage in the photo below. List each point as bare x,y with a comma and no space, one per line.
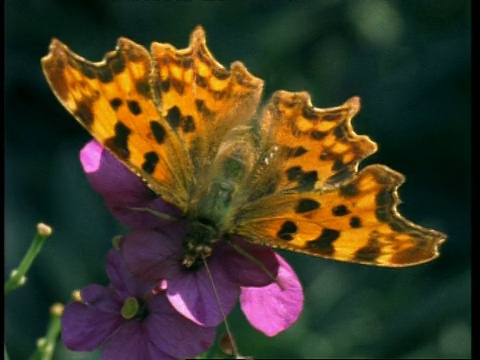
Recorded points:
409,61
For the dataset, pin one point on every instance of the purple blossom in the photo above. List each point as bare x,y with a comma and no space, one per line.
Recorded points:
130,320
153,251
122,190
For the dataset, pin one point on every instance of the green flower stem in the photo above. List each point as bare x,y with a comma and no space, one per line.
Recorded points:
17,277
46,345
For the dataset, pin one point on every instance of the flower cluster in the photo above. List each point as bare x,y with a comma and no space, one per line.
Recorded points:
155,308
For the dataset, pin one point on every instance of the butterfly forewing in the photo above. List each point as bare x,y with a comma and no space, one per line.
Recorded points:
201,100
113,100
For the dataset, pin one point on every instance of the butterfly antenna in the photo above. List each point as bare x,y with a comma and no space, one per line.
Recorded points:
160,215
217,298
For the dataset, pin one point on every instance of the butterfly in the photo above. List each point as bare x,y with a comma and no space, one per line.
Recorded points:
285,176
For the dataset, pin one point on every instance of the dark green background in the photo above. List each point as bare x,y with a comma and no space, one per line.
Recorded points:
410,63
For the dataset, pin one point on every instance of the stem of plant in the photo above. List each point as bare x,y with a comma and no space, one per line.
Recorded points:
17,277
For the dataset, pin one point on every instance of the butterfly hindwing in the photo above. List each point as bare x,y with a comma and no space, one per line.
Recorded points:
311,198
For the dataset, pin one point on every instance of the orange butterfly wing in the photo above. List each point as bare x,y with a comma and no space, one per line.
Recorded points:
310,198
162,114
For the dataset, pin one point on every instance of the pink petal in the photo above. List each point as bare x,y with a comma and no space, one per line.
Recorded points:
106,174
191,294
272,309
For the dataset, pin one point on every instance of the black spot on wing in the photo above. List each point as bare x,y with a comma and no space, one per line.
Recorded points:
306,179
306,205
118,143
323,244
294,172
309,114
201,81
340,132
188,124
104,74
187,63
202,108
332,117
341,176
368,253
115,103
117,63
165,85
296,152
221,74
338,165
349,190
178,85
174,117
133,54
143,88
287,230
134,107
151,161
318,135
340,210
384,201
355,222
84,112
86,69
384,198
158,131
203,57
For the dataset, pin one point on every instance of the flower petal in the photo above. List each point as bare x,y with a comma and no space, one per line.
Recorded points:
122,189
191,294
87,326
153,255
246,269
173,333
131,341
272,309
124,283
94,293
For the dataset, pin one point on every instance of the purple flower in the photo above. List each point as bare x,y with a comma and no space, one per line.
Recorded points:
123,191
269,291
130,320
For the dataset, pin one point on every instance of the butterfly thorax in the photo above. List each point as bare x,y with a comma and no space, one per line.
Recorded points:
206,227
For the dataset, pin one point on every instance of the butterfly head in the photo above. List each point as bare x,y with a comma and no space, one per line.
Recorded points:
198,242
